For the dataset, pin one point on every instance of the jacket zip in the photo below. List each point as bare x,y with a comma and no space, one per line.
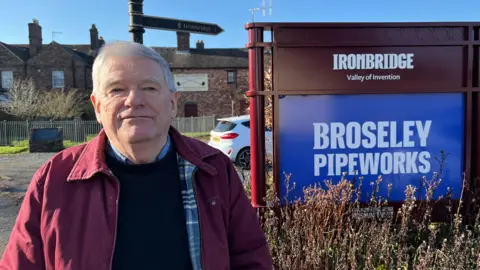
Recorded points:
199,223
116,220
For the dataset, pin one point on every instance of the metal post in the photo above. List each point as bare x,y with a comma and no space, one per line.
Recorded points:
475,157
257,117
28,129
6,142
472,208
135,11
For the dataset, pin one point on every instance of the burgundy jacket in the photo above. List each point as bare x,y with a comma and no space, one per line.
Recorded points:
68,217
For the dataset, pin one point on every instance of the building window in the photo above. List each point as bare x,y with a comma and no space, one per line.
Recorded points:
190,109
58,79
231,76
7,79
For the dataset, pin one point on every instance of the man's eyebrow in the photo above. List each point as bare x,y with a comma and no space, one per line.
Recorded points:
112,82
152,79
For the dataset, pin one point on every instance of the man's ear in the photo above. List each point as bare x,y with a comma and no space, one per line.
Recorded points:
174,102
96,107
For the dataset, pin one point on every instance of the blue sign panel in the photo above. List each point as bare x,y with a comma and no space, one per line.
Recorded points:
46,134
397,136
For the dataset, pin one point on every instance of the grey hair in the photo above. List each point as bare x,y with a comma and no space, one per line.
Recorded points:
129,48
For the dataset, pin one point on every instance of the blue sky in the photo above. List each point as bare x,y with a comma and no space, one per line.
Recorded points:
74,17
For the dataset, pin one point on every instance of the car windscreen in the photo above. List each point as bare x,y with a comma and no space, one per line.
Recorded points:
224,126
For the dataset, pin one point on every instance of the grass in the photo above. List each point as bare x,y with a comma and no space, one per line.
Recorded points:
202,136
197,134
18,147
10,150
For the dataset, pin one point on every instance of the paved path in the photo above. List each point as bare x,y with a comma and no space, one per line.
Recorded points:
8,210
16,172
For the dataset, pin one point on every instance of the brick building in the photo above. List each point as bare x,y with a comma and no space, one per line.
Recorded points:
51,65
210,81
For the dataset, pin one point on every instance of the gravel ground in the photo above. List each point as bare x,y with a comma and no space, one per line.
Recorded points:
16,172
8,214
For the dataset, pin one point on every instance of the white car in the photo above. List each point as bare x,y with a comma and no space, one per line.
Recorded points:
232,137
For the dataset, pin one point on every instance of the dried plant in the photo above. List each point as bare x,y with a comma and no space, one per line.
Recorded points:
328,230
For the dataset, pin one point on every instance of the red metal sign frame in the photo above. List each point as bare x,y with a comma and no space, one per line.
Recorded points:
306,35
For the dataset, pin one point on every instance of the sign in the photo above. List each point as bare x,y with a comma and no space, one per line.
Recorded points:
46,140
372,61
397,136
364,68
46,134
373,212
191,82
181,25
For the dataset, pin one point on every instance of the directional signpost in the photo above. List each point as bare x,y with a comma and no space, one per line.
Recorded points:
181,25
138,23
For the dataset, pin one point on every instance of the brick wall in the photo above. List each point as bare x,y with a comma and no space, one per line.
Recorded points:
9,62
242,79
88,74
217,100
54,58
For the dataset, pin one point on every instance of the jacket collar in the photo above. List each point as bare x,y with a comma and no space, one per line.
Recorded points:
92,157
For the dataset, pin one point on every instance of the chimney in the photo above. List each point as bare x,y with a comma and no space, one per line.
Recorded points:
200,44
93,38
183,41
101,42
35,37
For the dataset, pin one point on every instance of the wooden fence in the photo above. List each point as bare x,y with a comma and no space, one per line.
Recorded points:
78,130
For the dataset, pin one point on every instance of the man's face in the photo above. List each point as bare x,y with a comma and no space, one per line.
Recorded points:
133,103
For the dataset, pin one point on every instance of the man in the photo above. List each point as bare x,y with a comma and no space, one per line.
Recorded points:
140,195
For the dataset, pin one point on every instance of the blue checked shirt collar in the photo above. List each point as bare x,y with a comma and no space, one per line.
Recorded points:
112,151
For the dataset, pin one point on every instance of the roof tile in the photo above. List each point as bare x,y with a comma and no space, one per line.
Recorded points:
20,51
194,58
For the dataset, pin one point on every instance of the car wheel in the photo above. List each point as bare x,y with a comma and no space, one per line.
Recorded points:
243,159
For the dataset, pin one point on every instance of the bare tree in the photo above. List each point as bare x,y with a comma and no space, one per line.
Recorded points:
26,101
22,99
61,104
268,98
236,95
